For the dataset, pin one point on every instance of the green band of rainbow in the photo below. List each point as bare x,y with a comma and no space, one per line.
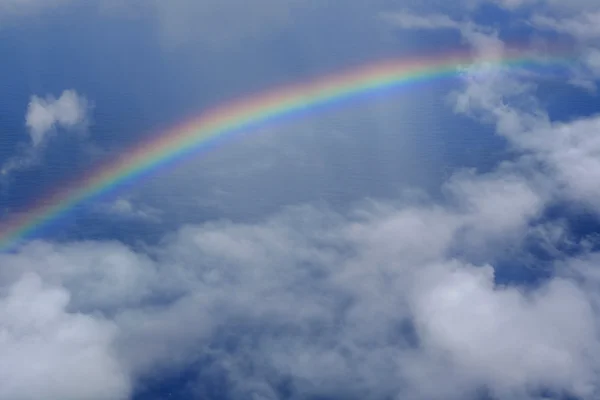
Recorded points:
241,115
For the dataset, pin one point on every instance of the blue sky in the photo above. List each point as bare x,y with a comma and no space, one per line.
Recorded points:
436,242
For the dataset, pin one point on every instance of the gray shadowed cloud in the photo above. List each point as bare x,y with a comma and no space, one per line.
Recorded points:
321,299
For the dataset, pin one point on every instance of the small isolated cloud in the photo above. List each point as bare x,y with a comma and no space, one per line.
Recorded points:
45,117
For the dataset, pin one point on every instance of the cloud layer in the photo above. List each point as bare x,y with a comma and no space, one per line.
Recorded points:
350,306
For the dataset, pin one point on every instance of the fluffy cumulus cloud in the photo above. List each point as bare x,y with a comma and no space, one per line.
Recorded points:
370,304
46,117
48,352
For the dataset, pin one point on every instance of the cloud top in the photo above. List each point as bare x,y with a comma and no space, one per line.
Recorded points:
44,115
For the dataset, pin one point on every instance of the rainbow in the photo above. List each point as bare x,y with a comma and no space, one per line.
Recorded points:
245,115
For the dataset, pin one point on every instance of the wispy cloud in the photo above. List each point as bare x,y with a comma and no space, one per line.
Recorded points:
127,209
568,149
407,20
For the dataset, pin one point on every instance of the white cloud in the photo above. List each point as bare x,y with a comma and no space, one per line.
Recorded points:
504,337
321,298
496,206
568,150
44,115
555,6
127,209
574,6
583,26
48,352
